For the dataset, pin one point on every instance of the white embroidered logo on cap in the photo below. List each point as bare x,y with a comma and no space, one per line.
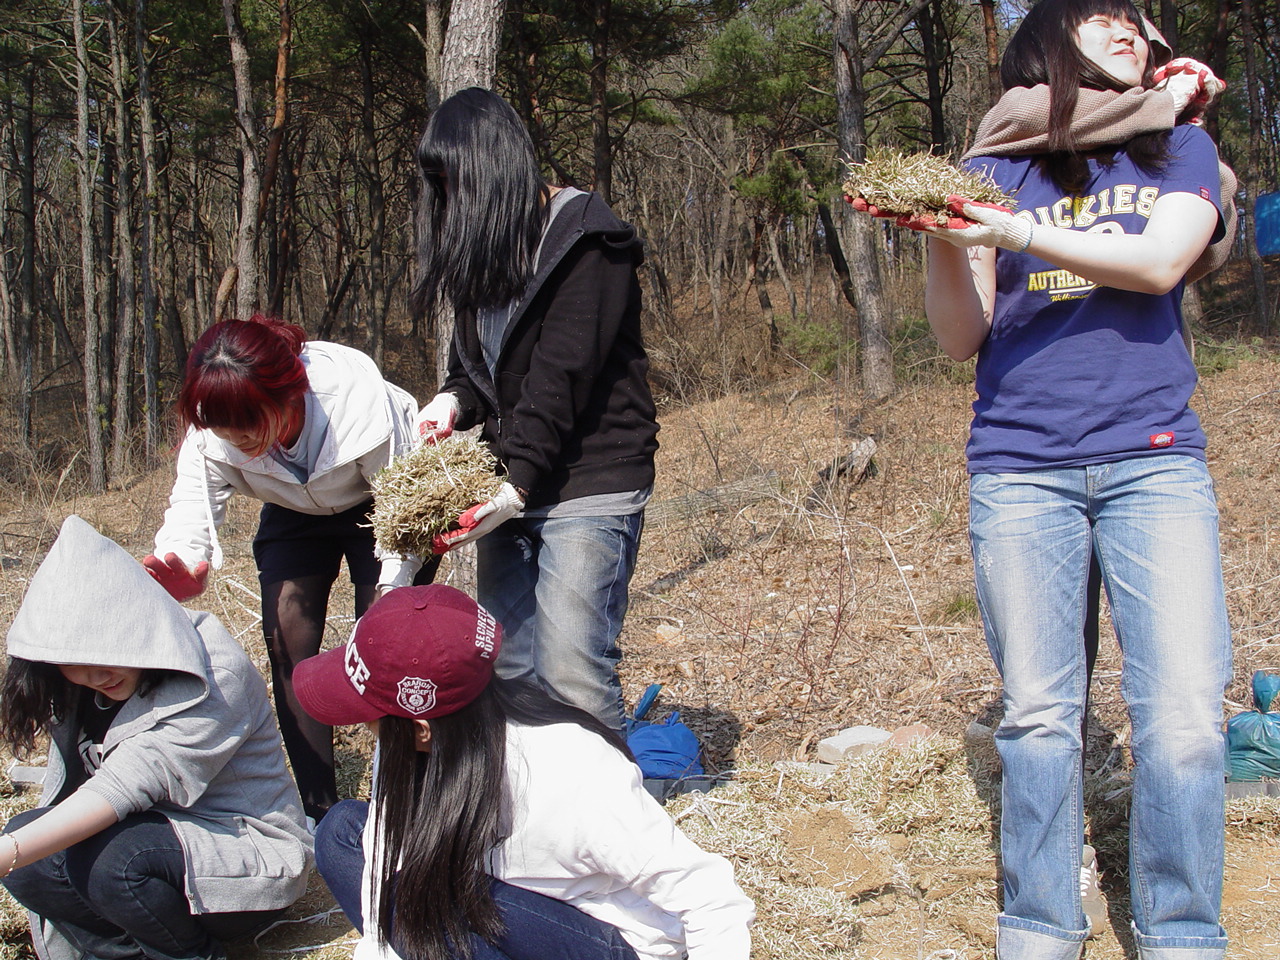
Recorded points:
416,695
486,627
357,672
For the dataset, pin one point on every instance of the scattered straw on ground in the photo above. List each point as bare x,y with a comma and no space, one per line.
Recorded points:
421,492
918,184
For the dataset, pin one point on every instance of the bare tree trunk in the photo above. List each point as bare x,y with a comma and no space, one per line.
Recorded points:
24,328
1254,168
271,165
88,280
776,256
598,74
246,255
1169,22
432,42
470,56
126,315
150,193
858,232
377,202
994,87
936,54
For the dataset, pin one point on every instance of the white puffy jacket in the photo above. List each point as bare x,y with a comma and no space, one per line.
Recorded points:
370,420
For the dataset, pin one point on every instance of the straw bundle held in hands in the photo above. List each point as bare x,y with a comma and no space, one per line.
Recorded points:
420,493
918,184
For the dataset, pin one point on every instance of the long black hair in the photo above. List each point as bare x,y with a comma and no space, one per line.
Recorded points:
441,812
36,695
1045,49
481,207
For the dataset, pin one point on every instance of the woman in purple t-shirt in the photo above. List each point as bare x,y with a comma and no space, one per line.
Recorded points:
1083,444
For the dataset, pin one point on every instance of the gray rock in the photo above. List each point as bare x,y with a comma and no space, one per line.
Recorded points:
851,742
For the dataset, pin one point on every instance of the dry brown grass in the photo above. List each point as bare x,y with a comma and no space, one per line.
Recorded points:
829,605
421,492
917,184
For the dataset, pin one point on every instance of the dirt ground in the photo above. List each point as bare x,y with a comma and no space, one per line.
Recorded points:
825,604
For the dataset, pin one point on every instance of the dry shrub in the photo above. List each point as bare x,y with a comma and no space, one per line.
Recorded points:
918,184
420,493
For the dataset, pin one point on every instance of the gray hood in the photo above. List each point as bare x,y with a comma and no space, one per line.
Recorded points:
90,602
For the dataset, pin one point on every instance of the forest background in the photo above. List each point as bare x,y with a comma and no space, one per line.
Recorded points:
164,163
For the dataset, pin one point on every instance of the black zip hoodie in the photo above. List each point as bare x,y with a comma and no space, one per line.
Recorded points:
569,413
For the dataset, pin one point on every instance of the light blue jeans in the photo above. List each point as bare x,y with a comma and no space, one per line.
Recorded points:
558,586
1154,525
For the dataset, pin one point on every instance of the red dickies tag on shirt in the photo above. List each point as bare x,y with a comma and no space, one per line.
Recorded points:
1159,440
1204,193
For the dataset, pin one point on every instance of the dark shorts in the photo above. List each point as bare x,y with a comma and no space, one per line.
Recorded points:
289,544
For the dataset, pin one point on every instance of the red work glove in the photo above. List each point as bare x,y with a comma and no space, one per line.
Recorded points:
172,574
481,519
1192,85
903,220
985,225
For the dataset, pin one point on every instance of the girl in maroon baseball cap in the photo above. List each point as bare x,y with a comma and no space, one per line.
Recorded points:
503,823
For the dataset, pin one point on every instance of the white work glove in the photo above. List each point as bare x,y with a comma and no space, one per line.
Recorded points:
990,225
481,519
435,420
1192,85
397,571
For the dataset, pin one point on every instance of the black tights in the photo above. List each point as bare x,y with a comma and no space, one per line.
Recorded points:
293,618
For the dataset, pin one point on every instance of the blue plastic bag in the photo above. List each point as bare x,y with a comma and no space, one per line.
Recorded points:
666,751
663,751
1253,737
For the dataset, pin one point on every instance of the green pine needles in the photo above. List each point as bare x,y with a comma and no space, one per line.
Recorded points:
917,184
420,493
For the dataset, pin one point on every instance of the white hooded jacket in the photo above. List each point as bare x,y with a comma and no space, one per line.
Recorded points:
369,422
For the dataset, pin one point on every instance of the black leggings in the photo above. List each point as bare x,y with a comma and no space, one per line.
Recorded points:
120,895
293,619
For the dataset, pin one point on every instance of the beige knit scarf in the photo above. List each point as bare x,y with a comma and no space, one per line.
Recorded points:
1018,125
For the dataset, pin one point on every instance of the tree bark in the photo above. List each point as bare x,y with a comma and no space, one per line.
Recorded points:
377,202
246,254
1255,165
85,173
992,34
598,75
470,56
147,259
24,328
126,285
858,232
432,44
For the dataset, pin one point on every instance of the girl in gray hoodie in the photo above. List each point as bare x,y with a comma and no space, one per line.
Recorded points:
168,822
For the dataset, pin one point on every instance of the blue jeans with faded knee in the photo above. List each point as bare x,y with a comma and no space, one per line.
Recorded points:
558,586
121,895
1153,523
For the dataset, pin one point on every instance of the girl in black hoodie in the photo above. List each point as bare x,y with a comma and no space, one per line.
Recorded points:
547,356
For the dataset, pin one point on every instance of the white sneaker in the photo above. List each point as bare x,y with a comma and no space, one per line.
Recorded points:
1095,908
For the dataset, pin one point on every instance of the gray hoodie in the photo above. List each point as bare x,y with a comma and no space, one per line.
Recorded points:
200,747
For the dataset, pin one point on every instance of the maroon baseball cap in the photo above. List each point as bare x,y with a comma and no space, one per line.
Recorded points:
419,652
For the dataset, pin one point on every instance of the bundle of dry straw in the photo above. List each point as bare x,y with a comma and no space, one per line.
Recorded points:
917,185
420,493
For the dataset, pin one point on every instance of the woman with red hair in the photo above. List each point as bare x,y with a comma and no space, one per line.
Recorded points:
302,426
